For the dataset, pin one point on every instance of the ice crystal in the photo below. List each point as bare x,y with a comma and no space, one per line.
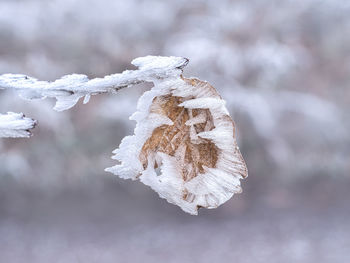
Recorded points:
15,125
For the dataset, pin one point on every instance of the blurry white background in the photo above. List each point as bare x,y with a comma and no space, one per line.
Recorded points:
282,66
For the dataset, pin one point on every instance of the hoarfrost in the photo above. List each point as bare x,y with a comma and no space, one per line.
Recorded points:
15,125
184,146
69,89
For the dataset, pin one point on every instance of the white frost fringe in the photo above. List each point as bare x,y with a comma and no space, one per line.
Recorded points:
15,125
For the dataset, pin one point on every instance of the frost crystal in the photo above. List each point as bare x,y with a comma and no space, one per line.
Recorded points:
184,146
15,125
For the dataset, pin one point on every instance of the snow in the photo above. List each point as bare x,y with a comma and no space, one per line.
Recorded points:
160,63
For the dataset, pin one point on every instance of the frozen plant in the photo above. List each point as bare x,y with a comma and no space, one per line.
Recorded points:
184,146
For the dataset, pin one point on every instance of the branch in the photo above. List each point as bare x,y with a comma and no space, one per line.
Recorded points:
70,88
15,125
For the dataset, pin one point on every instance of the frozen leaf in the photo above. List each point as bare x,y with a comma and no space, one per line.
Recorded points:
184,145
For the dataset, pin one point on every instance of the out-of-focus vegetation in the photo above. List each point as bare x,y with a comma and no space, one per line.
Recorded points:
282,66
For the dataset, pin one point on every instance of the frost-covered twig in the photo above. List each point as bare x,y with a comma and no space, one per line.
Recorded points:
15,125
184,144
69,89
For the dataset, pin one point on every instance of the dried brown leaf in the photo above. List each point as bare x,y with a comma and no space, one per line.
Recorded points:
191,158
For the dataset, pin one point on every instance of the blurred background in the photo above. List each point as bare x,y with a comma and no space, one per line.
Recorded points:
282,66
